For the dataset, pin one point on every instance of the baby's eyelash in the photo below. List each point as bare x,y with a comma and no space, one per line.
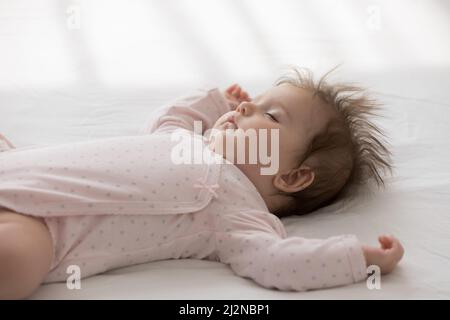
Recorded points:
272,116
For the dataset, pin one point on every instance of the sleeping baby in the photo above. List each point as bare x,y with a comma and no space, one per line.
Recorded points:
108,203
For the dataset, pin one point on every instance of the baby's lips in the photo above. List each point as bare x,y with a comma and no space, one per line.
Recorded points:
229,125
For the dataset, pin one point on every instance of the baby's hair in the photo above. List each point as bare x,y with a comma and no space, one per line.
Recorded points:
348,153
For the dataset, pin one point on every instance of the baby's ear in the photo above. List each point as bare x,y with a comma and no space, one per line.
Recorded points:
295,180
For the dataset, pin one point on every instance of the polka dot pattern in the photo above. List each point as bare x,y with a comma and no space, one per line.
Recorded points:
286,263
104,242
121,175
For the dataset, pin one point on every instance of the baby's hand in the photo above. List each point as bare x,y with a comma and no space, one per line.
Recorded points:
386,257
235,95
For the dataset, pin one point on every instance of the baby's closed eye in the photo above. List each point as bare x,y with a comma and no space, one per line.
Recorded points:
271,116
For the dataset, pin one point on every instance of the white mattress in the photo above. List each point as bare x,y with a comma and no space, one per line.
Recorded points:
102,80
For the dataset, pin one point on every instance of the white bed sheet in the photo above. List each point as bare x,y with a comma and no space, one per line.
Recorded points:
414,206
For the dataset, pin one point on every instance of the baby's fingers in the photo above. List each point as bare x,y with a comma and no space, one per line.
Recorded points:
231,88
244,96
385,241
236,92
392,246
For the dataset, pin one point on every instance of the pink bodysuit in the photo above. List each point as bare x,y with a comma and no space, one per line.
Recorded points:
115,202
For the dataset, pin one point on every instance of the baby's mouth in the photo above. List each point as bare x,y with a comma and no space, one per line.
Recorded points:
230,123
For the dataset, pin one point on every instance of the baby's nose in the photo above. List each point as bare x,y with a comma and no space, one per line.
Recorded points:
245,108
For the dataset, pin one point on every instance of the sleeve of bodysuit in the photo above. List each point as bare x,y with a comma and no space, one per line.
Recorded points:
204,105
255,246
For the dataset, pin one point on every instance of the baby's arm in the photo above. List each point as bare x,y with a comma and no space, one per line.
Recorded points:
256,247
205,106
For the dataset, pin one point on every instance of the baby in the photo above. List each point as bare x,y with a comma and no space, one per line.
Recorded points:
115,202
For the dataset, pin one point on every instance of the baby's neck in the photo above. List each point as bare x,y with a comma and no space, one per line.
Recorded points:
264,185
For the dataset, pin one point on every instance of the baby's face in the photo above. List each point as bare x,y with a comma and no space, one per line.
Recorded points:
292,110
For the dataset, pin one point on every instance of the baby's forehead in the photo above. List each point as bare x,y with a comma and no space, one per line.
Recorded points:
288,94
299,101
